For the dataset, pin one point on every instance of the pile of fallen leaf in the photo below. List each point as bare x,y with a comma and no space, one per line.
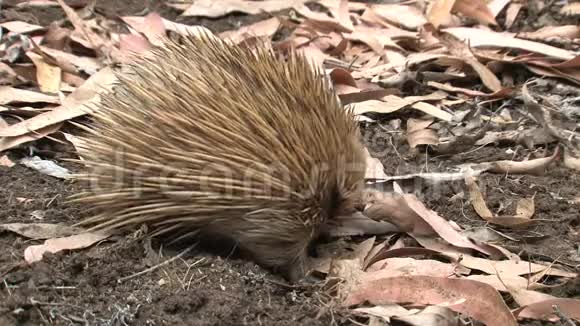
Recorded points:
441,64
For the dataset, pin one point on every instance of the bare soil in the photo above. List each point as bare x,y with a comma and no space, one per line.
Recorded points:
82,287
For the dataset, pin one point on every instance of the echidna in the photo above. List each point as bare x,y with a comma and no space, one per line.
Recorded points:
236,141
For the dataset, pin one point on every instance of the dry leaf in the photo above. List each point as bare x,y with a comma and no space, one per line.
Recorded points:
440,245
446,87
393,267
349,270
431,315
374,167
385,311
214,9
56,37
397,58
339,10
151,26
418,133
441,226
570,161
534,167
370,259
485,39
525,208
510,267
37,4
462,51
72,106
527,137
75,141
314,56
11,142
47,75
512,13
392,103
20,27
368,39
171,26
475,299
362,250
133,46
349,95
434,178
5,161
10,95
440,13
321,21
40,230
570,75
342,76
65,60
477,199
262,28
392,208
548,32
376,39
572,63
410,215
500,252
391,252
544,310
572,9
496,6
7,75
402,15
373,72
98,44
343,14
34,253
499,283
335,5
358,224
432,110
3,123
525,297
477,9
487,76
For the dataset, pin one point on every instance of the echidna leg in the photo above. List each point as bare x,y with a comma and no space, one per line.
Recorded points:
294,264
283,256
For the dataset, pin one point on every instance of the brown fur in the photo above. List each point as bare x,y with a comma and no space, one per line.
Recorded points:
210,136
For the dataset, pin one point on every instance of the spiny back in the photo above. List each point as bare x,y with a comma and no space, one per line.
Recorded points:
206,134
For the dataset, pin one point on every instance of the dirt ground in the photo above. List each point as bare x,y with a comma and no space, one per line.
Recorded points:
82,287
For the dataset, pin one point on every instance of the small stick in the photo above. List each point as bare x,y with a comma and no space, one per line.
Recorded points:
7,287
564,318
152,268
